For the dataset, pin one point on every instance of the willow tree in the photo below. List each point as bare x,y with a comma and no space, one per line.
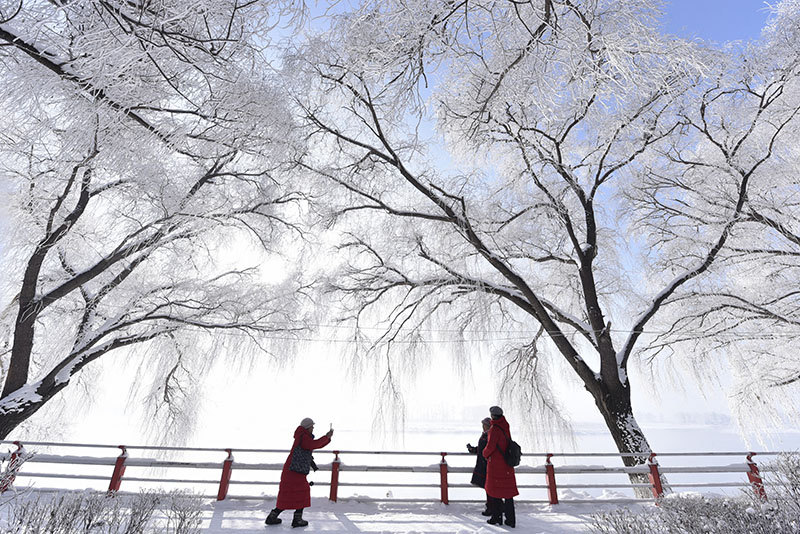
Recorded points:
528,218
736,169
138,138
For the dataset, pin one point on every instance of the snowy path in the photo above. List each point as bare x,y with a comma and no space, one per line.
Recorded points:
352,516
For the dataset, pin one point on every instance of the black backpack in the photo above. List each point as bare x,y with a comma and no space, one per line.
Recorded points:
513,453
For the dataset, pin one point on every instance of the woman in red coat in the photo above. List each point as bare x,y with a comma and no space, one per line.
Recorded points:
294,491
501,483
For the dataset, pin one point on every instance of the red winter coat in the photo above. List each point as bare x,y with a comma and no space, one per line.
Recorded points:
500,480
294,491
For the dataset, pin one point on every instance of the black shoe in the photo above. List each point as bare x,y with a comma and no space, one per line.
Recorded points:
299,523
511,524
495,521
486,513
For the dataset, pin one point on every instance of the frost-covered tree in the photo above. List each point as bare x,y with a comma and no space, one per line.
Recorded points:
142,150
539,221
736,171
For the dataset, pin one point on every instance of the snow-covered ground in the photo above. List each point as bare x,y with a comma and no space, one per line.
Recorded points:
355,516
363,515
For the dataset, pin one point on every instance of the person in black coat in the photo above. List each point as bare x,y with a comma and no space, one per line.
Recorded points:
479,473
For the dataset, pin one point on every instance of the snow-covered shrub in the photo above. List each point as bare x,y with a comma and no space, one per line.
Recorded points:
184,513
140,512
783,479
148,512
624,522
54,514
698,514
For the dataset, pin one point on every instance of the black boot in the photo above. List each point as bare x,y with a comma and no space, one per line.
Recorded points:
508,510
298,520
272,518
496,510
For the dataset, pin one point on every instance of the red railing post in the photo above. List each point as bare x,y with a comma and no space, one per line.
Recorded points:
119,470
755,478
443,478
11,469
335,477
655,477
550,475
225,480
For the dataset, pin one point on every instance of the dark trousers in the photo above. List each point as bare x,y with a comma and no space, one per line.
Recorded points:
501,507
277,511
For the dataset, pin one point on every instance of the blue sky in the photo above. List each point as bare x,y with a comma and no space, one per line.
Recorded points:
715,20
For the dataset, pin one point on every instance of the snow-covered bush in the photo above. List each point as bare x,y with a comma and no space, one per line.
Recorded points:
184,513
94,513
783,478
698,514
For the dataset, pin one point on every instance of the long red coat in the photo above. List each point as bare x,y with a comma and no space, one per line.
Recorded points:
294,491
501,482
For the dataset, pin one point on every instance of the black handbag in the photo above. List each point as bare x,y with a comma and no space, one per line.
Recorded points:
301,460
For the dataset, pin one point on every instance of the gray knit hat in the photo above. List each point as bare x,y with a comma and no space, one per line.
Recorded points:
496,410
307,422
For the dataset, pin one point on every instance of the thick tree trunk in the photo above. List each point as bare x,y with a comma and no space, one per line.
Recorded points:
19,366
615,406
22,347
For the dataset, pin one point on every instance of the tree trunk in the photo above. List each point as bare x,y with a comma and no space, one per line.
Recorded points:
615,406
22,347
19,364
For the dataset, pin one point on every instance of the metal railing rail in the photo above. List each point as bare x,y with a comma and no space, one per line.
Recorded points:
650,470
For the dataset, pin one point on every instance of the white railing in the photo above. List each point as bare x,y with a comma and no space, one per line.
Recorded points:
396,471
